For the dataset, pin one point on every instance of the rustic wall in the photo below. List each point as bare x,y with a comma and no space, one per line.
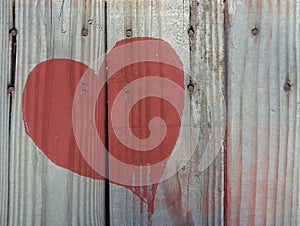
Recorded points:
250,176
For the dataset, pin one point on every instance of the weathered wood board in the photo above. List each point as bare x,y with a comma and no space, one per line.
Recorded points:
41,193
263,120
191,196
6,24
45,180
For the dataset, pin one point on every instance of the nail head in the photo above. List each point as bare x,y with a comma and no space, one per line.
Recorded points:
254,31
287,87
191,31
191,87
128,33
10,89
84,32
13,32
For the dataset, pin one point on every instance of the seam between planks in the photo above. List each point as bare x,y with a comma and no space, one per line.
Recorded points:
13,49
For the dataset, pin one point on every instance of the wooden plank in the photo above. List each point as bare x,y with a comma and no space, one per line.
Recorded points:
41,192
145,19
193,196
263,126
5,25
208,104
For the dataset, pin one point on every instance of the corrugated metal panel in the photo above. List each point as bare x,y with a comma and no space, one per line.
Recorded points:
5,25
263,128
191,197
41,193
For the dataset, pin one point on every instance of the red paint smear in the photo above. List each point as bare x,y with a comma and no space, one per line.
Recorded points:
47,115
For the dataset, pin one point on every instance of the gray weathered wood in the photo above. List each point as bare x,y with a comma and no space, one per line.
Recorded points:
208,106
6,24
41,193
191,197
263,124
262,184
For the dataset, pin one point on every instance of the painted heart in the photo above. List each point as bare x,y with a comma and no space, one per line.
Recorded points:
64,113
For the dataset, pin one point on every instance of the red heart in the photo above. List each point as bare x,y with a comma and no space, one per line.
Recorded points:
47,113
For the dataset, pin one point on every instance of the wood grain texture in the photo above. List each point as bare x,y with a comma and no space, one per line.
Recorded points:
159,19
263,119
192,196
208,106
6,24
41,193
262,186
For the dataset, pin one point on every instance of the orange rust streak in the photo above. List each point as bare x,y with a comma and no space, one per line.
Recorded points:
233,185
75,4
172,193
259,5
278,6
270,3
47,3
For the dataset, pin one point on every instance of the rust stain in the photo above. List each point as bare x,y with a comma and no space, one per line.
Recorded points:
174,196
233,185
194,5
75,4
47,3
270,3
278,6
173,199
287,7
259,5
262,5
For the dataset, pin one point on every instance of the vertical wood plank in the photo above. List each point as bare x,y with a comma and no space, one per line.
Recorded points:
5,25
159,19
41,192
192,196
208,105
263,149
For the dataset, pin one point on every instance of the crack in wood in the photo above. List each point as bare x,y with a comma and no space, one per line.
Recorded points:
61,18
